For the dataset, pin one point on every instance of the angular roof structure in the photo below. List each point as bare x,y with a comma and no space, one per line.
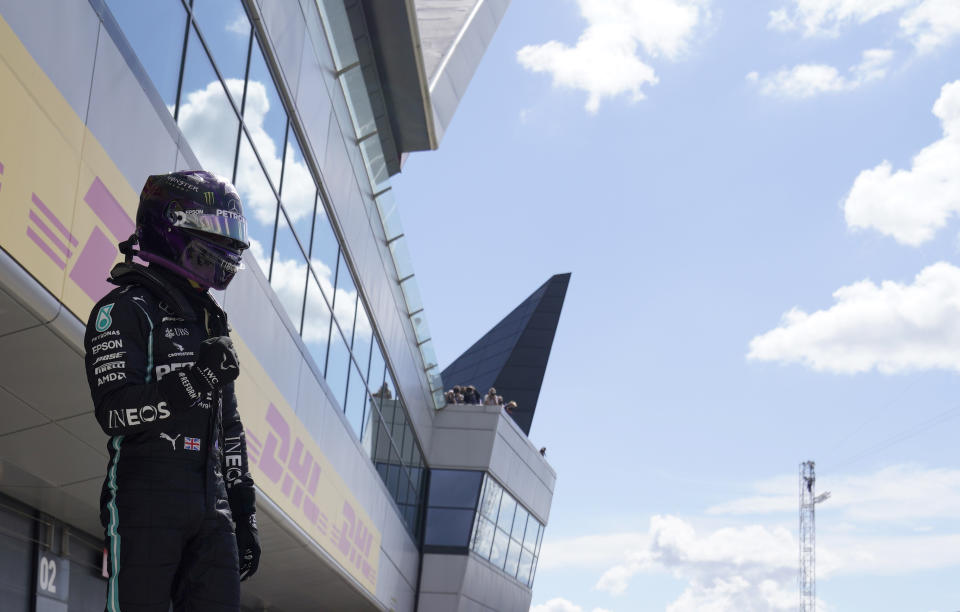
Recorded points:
513,355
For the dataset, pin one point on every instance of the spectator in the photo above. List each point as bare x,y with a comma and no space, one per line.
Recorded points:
457,395
472,396
543,451
491,399
510,406
449,397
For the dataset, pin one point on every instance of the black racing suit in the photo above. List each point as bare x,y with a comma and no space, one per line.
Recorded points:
165,506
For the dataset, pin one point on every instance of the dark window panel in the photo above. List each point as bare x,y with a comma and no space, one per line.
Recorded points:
448,527
454,488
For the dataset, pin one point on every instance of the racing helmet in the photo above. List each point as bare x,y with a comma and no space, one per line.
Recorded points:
192,223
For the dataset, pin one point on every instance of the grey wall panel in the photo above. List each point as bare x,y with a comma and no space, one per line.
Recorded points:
392,589
16,415
61,35
312,400
73,461
16,560
125,121
29,379
443,573
490,587
85,428
286,27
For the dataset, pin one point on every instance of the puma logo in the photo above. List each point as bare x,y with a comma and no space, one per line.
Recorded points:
225,366
173,441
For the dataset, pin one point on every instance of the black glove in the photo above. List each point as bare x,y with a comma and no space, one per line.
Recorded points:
216,366
248,545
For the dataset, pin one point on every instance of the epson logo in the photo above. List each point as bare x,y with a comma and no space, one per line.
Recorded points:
136,416
111,377
163,370
113,365
108,346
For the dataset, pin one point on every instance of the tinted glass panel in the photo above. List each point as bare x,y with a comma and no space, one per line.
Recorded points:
288,272
338,362
454,488
483,537
498,553
530,535
448,527
206,117
491,499
325,249
375,380
361,340
393,475
345,303
513,558
356,401
508,507
144,22
371,429
298,192
316,324
519,523
259,202
264,116
226,30
526,564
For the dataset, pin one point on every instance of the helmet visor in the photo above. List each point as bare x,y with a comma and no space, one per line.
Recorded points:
225,224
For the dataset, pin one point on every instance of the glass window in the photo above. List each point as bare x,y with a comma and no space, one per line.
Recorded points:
371,429
513,558
345,302
144,22
259,202
288,272
205,115
361,340
539,538
491,499
448,527
508,507
226,30
398,425
338,362
498,552
533,571
454,488
316,323
483,537
409,444
383,444
519,523
298,191
526,564
375,381
531,533
393,474
410,514
323,255
264,116
356,401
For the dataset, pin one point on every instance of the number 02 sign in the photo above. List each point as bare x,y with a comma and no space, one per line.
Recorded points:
53,582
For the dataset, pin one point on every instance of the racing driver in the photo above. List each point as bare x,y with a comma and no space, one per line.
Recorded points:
161,368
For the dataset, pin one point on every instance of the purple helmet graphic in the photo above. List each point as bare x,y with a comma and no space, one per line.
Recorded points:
192,223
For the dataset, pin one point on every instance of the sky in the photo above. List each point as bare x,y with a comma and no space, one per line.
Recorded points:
757,203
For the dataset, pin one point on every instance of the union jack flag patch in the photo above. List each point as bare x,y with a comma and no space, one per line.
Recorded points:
191,444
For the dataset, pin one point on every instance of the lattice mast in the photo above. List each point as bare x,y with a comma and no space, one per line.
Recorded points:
808,536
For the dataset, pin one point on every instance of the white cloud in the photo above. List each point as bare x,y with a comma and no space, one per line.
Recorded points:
927,24
896,493
808,80
868,526
932,24
891,327
240,25
911,205
559,604
605,62
733,568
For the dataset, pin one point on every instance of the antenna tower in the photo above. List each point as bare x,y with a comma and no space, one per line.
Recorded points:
808,536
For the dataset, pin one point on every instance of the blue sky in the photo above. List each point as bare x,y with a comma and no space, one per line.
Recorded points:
787,159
